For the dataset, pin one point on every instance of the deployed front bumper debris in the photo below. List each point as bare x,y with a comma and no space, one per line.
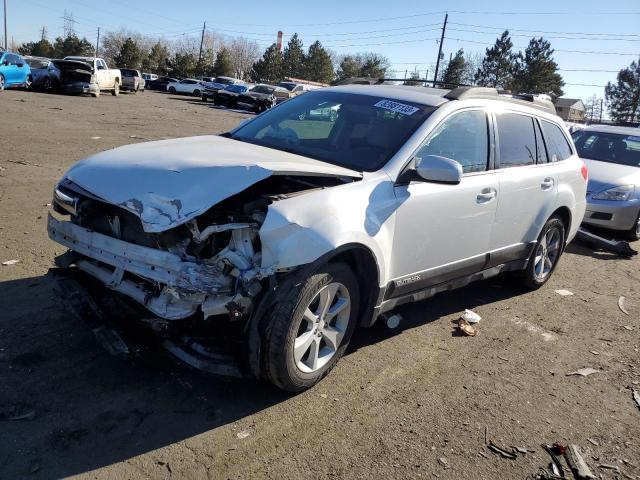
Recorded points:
619,247
115,330
180,286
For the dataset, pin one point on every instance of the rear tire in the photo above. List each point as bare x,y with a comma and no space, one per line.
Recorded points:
197,93
1,82
116,89
309,327
546,255
47,84
204,98
172,90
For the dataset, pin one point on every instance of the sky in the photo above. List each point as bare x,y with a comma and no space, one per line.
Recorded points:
592,40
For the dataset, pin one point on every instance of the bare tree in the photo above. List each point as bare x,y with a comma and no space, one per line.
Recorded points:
472,61
244,53
593,107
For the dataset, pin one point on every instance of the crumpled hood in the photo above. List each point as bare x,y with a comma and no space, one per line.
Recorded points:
169,182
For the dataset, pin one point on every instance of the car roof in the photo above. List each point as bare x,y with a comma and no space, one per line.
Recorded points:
426,96
613,129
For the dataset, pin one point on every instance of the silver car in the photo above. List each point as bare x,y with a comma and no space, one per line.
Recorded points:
612,155
297,230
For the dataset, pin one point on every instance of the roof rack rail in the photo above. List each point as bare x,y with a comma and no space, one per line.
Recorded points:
528,99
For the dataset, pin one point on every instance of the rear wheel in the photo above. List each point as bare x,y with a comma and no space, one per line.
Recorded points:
546,254
1,82
47,83
204,98
116,89
309,328
197,93
28,82
172,89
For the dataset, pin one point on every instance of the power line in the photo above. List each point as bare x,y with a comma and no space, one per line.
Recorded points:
555,49
551,36
544,31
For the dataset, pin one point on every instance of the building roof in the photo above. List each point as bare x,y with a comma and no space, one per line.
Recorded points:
569,102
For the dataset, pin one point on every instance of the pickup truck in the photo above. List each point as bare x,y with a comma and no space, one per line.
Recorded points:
103,78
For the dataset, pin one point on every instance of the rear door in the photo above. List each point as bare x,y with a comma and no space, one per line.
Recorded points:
443,231
528,186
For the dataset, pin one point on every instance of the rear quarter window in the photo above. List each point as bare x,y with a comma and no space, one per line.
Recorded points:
557,144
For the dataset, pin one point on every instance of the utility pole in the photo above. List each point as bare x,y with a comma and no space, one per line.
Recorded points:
444,28
204,26
98,42
43,33
6,38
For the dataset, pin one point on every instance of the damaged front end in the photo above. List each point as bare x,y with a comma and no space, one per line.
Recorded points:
210,265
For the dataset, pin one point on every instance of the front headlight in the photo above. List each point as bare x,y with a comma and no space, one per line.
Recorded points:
621,193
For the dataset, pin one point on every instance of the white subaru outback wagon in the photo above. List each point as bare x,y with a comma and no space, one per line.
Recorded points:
299,225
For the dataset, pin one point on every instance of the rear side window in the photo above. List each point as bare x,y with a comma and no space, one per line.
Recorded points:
516,140
463,137
557,143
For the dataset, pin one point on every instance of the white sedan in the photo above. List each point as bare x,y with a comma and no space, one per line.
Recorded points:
190,86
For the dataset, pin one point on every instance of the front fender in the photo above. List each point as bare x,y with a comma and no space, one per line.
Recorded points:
299,230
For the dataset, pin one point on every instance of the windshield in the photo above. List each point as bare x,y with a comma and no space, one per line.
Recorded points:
128,73
608,147
359,132
36,63
289,86
223,80
262,89
236,88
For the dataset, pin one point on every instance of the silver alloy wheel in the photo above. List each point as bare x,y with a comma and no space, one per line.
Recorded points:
638,226
322,327
547,253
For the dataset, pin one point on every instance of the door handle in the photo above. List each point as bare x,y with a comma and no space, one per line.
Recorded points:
547,184
486,195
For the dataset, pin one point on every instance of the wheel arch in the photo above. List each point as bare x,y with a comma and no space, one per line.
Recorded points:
564,213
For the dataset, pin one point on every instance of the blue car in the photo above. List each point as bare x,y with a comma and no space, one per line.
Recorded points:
14,71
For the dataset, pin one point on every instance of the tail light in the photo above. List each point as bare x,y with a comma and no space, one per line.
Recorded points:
585,172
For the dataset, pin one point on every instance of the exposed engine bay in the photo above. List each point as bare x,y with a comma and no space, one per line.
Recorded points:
210,264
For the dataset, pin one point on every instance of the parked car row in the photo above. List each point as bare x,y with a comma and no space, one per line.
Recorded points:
72,74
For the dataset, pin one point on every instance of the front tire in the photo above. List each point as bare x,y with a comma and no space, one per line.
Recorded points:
309,327
546,254
1,82
172,90
633,234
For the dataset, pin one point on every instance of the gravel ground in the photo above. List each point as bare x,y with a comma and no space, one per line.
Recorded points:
413,403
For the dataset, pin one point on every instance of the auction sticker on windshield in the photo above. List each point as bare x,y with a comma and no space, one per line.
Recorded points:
396,107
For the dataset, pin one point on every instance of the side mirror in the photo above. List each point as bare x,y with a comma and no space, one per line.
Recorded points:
434,168
20,65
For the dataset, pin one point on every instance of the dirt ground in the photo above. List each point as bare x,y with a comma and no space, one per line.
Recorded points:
416,402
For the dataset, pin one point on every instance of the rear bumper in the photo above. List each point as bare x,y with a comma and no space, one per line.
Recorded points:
80,87
613,215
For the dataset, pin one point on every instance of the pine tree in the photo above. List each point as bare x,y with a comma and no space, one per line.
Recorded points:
349,68
41,48
498,63
536,72
293,58
72,45
318,64
157,60
454,73
374,65
183,64
623,97
412,79
130,55
223,65
269,68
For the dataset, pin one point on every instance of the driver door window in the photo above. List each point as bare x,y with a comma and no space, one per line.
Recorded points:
463,137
